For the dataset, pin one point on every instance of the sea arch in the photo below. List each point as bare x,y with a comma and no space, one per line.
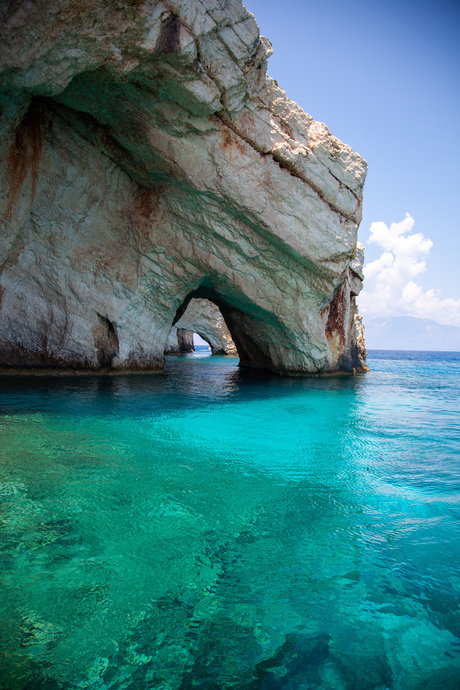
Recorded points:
156,161
205,319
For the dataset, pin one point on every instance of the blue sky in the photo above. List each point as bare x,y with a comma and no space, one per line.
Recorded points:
385,78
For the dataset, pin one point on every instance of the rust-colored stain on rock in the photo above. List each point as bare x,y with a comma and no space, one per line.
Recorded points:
229,140
143,213
25,154
336,319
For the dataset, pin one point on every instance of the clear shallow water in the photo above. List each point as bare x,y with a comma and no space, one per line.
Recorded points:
213,529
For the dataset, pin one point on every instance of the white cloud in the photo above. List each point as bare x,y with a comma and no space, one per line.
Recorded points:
389,286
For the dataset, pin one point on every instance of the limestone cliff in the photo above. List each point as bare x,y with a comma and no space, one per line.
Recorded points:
147,159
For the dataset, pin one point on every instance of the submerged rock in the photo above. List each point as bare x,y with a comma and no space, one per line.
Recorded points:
148,160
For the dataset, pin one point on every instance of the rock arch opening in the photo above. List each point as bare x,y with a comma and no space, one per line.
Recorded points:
200,344
250,336
203,318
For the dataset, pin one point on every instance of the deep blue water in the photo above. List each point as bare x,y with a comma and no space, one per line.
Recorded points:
215,528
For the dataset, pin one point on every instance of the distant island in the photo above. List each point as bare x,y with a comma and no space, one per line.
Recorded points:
410,333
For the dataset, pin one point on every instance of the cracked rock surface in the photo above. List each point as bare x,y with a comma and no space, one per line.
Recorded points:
147,159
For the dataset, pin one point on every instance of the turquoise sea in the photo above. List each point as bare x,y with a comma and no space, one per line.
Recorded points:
216,528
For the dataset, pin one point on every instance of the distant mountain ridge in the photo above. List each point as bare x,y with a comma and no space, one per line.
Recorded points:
410,333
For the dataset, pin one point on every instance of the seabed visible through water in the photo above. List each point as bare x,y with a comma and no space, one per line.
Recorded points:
213,528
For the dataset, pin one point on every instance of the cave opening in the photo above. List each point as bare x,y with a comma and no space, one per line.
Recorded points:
200,343
199,326
228,326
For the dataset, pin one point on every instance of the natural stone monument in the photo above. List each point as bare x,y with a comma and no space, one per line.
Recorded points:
147,159
202,317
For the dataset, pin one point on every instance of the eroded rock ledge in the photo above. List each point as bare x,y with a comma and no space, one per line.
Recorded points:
148,160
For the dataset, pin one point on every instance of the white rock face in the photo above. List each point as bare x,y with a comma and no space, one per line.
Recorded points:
147,159
203,317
